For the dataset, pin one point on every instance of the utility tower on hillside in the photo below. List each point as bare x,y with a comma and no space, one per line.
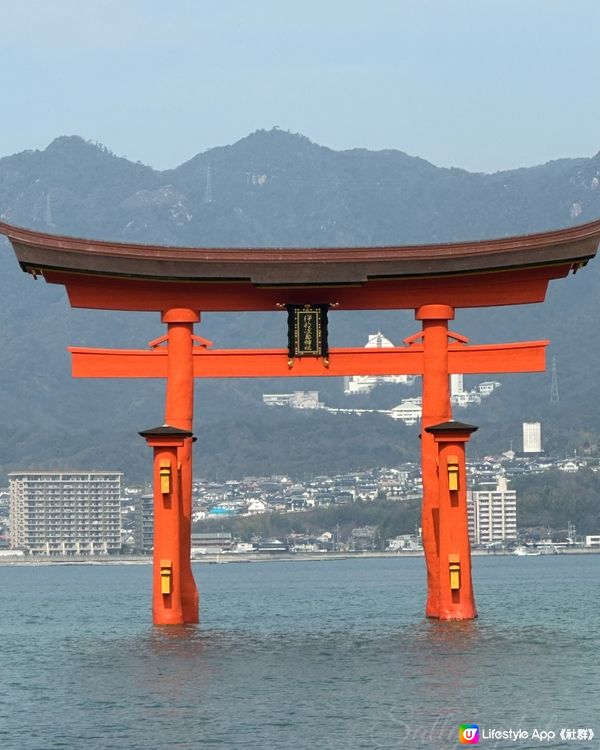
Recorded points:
554,397
208,198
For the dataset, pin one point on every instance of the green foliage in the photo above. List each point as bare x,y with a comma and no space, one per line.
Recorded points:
555,498
301,444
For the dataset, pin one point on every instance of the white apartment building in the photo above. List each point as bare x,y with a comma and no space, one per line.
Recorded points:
492,512
409,410
532,437
456,385
65,513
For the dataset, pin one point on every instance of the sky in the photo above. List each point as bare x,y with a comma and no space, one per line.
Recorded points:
479,84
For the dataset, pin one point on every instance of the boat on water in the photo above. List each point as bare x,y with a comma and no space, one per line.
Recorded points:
525,552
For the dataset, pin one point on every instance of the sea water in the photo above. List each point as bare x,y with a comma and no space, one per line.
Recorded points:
334,654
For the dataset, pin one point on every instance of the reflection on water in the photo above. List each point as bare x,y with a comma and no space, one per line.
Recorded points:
295,655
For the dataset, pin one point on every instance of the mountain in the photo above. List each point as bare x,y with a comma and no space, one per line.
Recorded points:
274,188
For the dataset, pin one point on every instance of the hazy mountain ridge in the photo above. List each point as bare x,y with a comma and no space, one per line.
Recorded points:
323,197
272,188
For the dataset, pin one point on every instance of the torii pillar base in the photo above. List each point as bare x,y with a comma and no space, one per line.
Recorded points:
169,525
456,600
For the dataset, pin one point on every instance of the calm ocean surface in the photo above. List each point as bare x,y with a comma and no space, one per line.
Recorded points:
333,654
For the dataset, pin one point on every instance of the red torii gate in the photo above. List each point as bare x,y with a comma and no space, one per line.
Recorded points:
179,363
433,280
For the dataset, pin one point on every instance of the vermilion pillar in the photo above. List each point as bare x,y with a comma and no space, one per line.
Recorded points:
436,408
456,600
167,594
179,412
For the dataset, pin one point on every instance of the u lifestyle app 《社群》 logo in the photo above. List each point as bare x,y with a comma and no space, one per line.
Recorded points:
468,734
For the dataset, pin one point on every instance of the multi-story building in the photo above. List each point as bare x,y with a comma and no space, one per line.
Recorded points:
409,410
532,437
143,529
492,512
456,385
66,513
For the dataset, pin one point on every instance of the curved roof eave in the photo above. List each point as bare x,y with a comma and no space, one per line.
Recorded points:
38,251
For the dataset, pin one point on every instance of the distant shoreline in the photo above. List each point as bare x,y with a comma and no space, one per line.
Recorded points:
257,557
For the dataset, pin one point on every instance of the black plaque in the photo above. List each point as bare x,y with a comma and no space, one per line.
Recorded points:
307,331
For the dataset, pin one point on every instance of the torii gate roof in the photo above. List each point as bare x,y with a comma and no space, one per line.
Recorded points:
509,270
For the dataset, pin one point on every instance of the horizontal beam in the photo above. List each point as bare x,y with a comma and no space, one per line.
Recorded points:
528,356
506,287
522,356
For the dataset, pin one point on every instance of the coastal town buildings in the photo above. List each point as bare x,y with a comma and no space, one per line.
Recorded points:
68,507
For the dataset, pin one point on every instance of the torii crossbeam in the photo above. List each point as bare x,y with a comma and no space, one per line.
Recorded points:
433,280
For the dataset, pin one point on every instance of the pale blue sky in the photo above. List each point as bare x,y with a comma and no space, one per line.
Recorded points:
479,84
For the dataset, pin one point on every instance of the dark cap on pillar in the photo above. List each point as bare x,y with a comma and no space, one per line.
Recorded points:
165,436
447,428
165,431
451,431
